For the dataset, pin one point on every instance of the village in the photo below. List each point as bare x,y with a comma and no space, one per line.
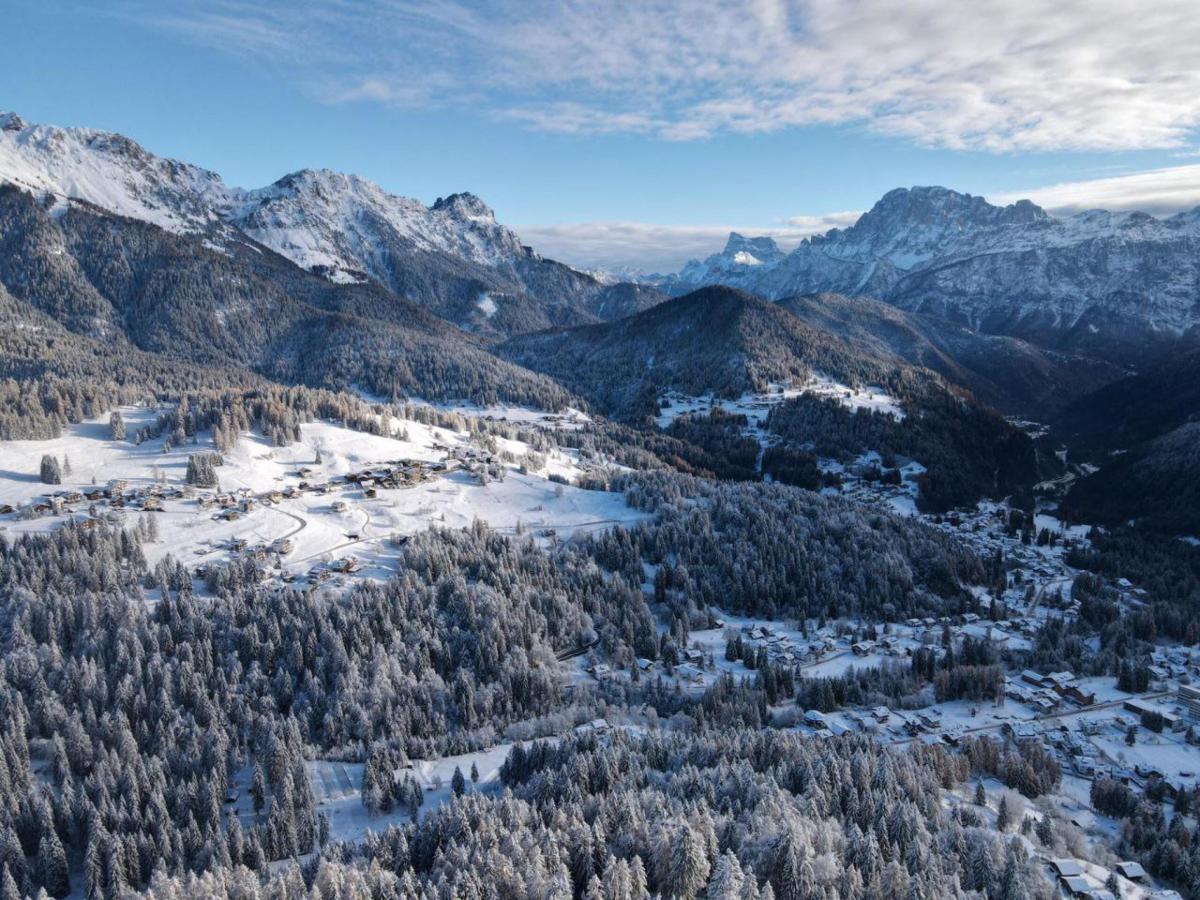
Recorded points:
336,506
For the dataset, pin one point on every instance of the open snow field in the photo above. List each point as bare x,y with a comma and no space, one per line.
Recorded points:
321,526
756,406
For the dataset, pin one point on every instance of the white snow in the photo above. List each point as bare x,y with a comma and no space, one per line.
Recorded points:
548,510
486,305
756,406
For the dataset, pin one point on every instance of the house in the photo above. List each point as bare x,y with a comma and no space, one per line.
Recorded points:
688,672
1031,677
881,714
152,504
1078,695
1066,868
1131,870
1060,679
863,648
930,718
815,719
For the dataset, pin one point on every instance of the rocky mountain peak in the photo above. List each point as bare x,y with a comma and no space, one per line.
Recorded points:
941,207
762,248
464,206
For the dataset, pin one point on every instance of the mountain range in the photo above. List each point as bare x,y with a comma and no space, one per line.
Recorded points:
1118,285
452,257
123,267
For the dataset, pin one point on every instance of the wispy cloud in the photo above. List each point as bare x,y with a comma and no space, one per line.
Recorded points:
997,75
643,247
1158,192
665,248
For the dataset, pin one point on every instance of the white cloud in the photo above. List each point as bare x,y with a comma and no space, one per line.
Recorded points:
1158,192
642,247
998,75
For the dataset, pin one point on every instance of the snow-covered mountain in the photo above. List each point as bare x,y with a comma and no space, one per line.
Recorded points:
453,256
109,171
1014,269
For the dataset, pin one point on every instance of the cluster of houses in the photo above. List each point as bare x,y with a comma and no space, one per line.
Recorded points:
1075,881
1048,693
782,650
116,495
400,474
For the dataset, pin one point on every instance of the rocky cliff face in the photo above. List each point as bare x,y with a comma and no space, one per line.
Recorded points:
1091,279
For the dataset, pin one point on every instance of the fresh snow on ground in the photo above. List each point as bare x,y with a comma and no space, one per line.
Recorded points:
756,406
363,528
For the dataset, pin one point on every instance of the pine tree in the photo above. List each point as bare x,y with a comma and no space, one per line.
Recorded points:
728,880
1002,816
980,794
51,471
1045,831
93,866
116,426
474,772
685,868
52,865
258,789
458,784
8,885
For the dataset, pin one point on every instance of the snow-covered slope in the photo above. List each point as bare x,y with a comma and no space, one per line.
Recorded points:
345,224
344,227
109,171
1013,269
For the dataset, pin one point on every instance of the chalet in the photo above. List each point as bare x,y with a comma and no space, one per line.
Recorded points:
1131,870
6,509
815,718
94,494
230,515
1066,868
863,648
688,672
284,546
1078,695
1031,677
693,656
1060,679
248,504
339,506
152,504
370,493
206,501
275,496
881,714
929,719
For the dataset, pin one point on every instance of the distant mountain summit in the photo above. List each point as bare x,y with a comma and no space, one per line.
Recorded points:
1096,280
452,257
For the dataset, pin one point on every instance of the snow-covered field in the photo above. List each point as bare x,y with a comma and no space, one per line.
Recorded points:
321,526
755,406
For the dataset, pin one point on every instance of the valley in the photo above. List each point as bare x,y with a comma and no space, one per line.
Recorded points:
352,548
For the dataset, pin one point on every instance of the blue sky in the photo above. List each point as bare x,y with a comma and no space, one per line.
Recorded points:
639,132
